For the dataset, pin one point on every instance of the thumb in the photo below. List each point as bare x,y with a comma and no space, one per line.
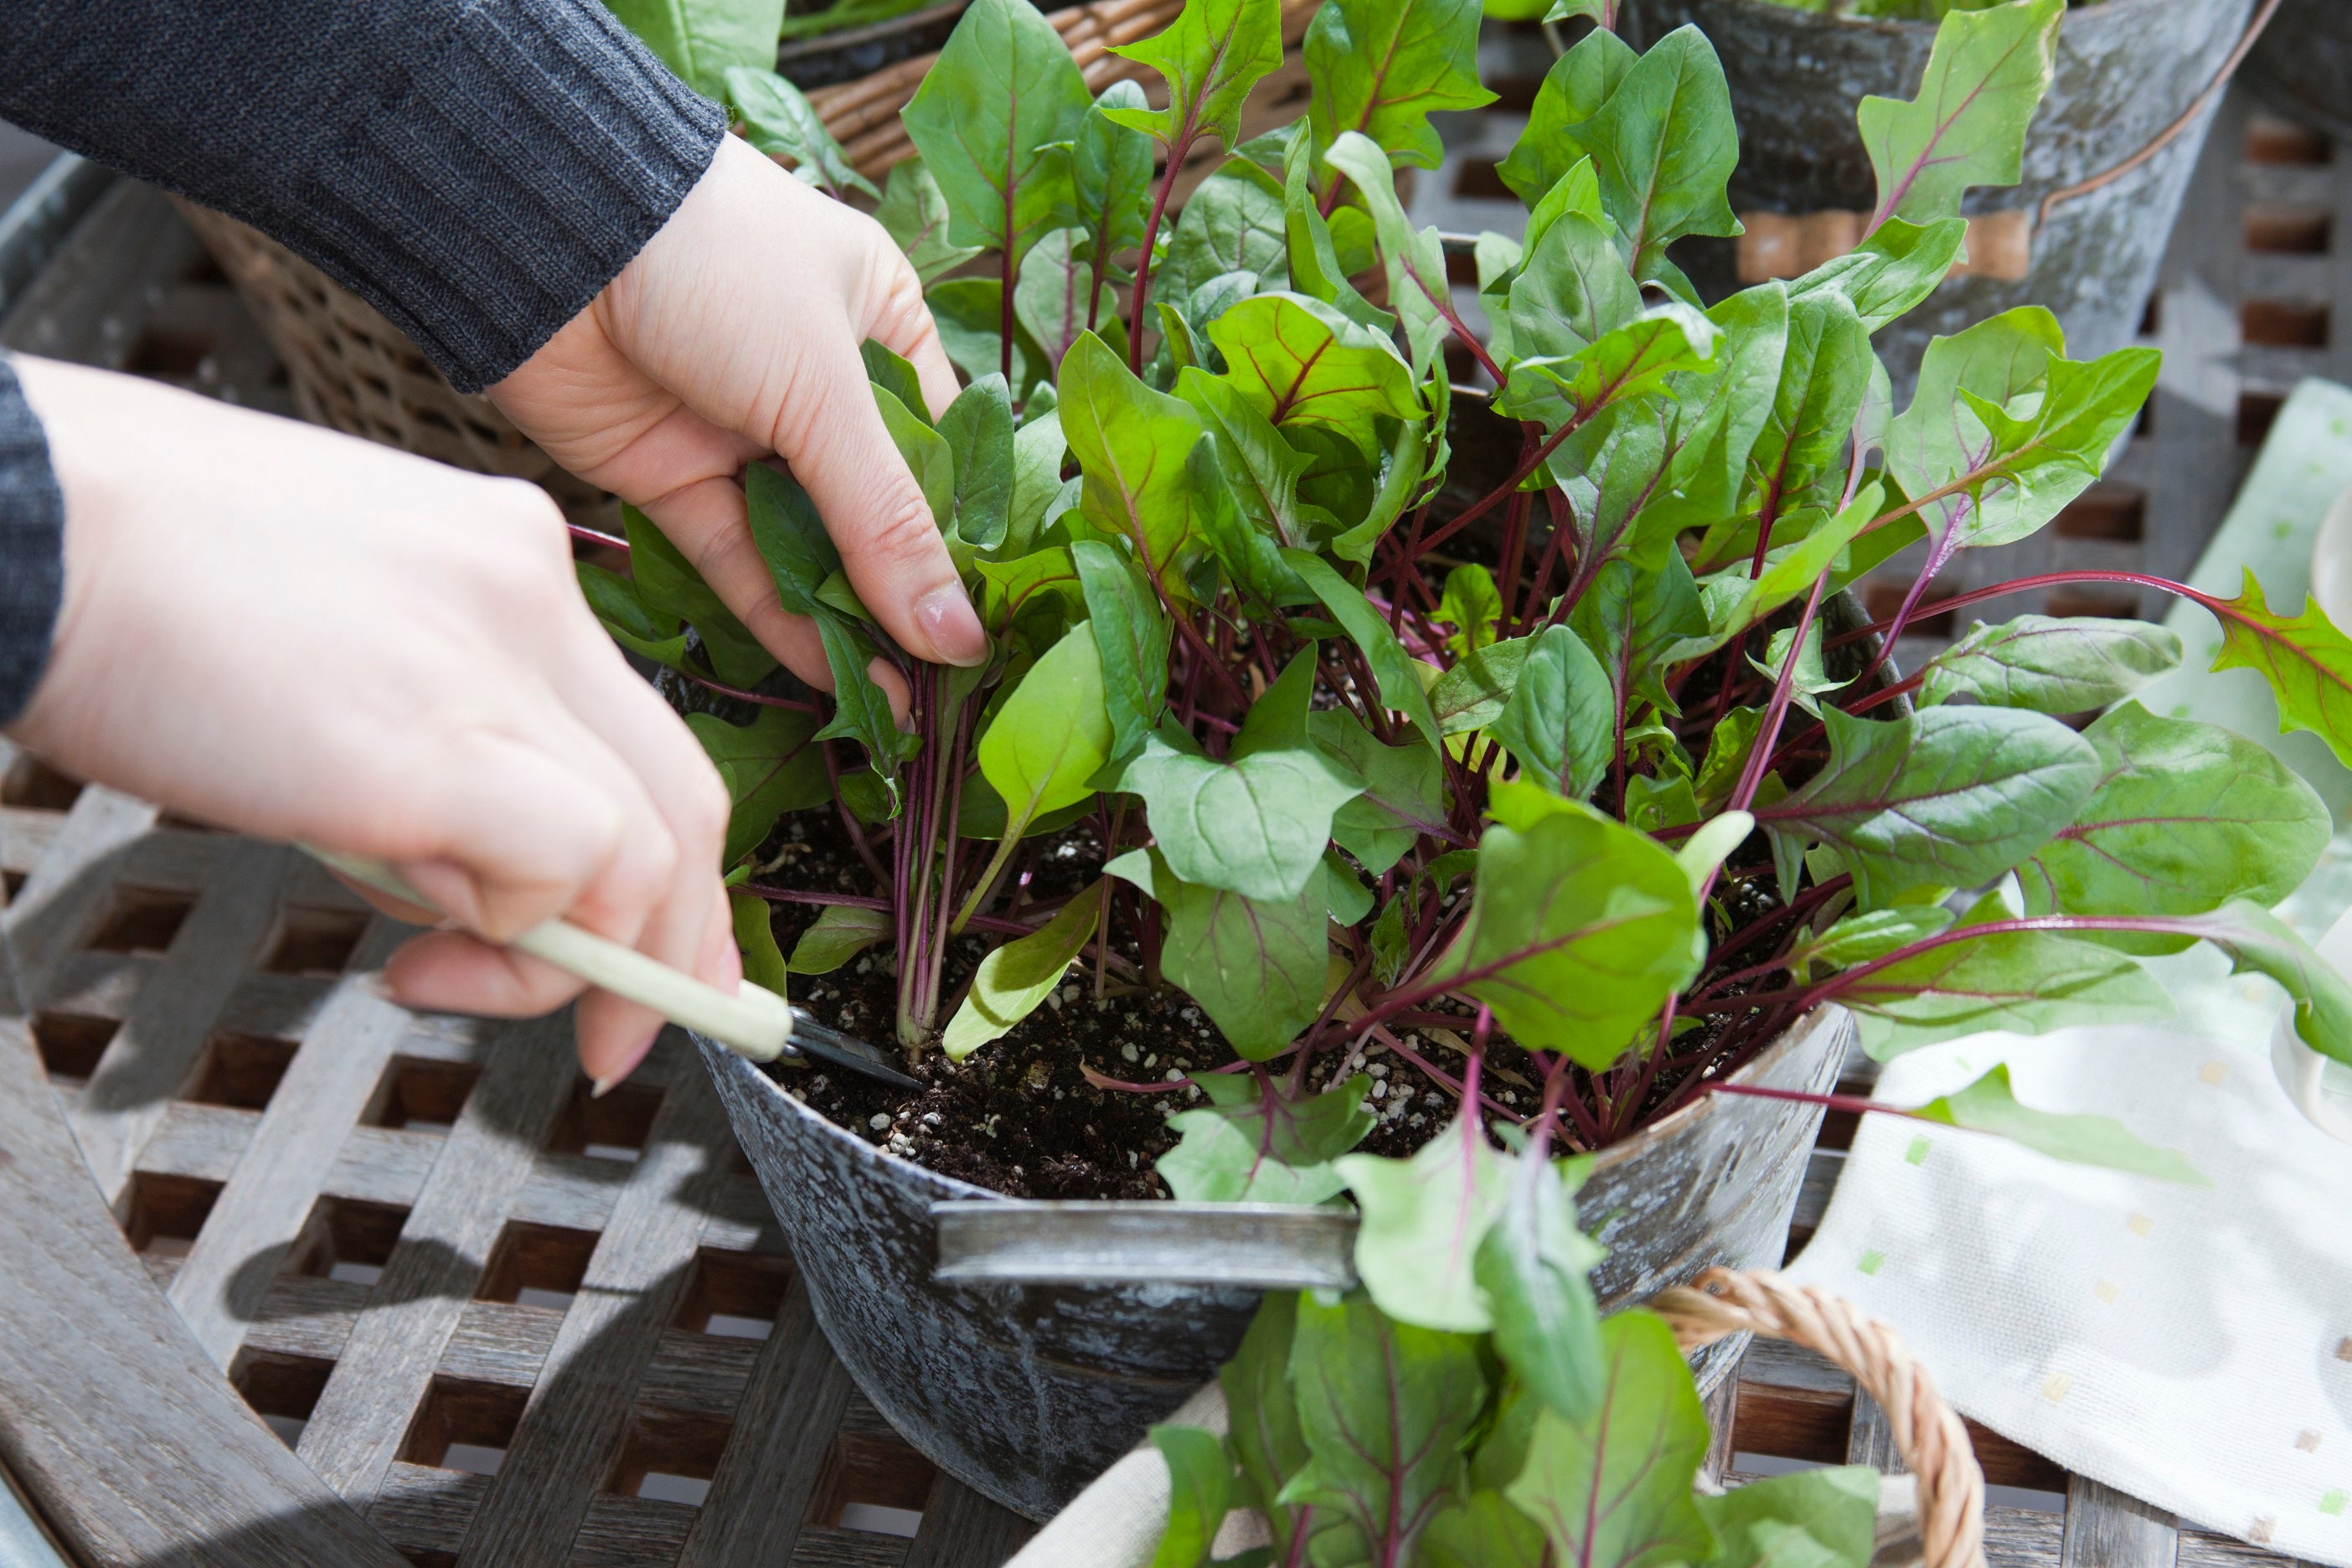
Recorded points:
832,435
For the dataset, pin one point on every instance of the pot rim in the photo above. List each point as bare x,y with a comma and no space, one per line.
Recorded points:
1823,1015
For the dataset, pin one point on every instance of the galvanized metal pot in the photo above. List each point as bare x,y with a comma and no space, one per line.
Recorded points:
1025,1393
2126,70
2304,64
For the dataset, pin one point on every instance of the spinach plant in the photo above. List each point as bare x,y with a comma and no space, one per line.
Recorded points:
1379,748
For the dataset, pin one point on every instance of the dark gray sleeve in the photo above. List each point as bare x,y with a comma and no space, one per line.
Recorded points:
478,170
32,567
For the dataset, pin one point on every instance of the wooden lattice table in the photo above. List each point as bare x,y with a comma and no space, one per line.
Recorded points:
291,1275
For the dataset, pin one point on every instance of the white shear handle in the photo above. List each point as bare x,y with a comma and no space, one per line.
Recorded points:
754,1023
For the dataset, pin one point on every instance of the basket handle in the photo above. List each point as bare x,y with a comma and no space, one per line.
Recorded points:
1927,1431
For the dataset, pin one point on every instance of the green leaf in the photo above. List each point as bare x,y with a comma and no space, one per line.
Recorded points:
622,611
1053,734
1985,77
1415,258
1951,797
1572,289
2259,944
1734,601
1404,473
1560,723
1802,446
915,212
1038,448
2049,665
1261,468
1386,1409
1210,56
1990,1105
841,931
1258,1145
1664,145
1534,1268
1473,694
755,936
1613,1489
969,312
1256,826
1264,1435
1011,981
1623,365
995,121
1133,634
1403,791
926,454
1592,926
1573,90
2026,982
667,586
2020,429
1131,443
779,119
1045,581
1392,667
1629,617
1200,1487
1256,968
1833,1513
1300,361
1381,67
1897,267
1423,1219
1483,1531
699,41
2306,661
1277,720
1232,223
1111,169
1055,286
769,767
1471,605
2185,817
1859,938
978,429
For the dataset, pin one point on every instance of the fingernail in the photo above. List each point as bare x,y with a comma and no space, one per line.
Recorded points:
598,1087
948,621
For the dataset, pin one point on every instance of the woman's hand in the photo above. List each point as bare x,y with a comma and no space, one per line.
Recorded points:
302,636
735,333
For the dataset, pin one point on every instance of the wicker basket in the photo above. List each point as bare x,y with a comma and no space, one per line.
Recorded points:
353,370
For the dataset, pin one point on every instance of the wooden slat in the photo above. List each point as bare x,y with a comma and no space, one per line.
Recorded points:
260,1211
166,1028
1869,1441
436,1267
767,1480
962,1529
2108,1528
110,1413
67,891
578,1419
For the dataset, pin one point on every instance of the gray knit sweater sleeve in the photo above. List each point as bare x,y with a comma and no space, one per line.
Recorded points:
31,570
478,170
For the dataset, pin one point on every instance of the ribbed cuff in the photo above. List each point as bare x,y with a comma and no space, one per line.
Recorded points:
32,556
527,161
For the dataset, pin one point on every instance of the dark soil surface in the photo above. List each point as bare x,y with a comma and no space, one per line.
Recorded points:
1019,1116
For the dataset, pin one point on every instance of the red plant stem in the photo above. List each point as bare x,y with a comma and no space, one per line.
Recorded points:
849,817
1768,734
858,901
1176,148
1514,543
590,536
742,696
1411,553
2050,580
1854,1104
1005,305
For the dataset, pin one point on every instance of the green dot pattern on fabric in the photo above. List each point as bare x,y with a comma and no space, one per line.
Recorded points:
1918,1154
1871,1261
2333,1503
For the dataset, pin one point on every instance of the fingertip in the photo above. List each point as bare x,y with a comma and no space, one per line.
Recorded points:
953,626
885,674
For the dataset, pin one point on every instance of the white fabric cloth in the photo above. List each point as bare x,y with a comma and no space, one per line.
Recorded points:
2191,1346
